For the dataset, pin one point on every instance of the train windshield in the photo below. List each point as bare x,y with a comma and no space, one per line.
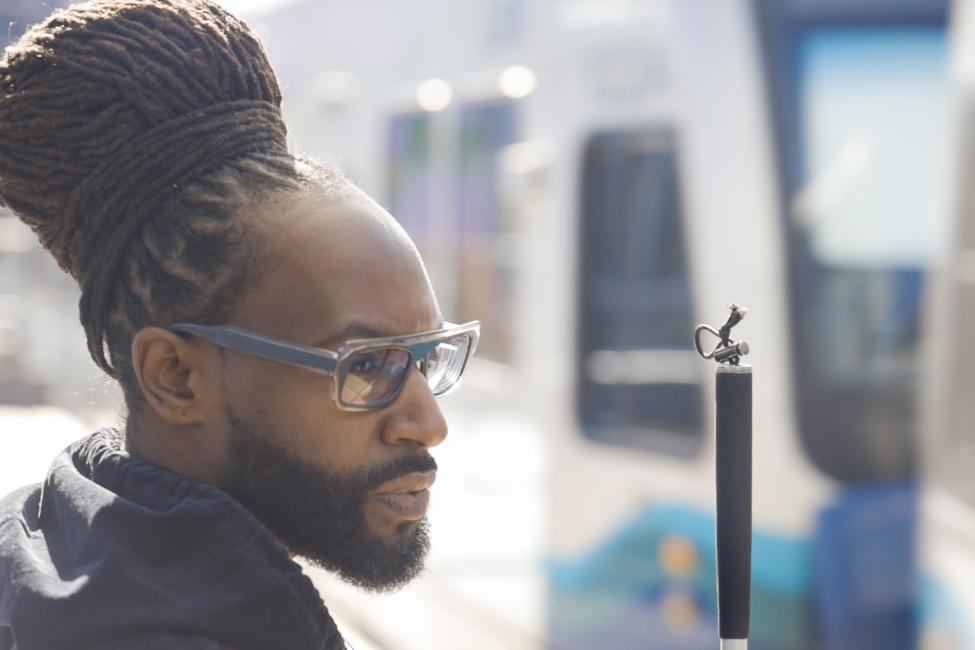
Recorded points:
870,204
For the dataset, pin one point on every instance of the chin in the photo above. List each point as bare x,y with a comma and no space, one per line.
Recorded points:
378,561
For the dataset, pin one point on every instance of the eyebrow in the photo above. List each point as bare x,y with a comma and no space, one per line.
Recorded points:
353,330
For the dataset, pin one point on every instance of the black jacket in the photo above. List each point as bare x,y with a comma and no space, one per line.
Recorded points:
112,553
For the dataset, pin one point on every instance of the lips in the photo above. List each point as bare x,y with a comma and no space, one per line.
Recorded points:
408,495
412,482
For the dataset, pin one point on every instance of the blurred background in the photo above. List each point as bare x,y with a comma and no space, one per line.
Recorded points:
590,179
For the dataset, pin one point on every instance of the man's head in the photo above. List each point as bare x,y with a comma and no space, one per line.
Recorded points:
142,141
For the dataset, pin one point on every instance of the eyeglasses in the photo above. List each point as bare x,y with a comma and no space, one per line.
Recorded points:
368,373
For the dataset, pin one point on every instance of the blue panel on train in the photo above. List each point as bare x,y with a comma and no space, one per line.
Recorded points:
621,595
865,566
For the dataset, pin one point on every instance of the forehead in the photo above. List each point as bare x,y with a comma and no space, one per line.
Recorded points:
331,261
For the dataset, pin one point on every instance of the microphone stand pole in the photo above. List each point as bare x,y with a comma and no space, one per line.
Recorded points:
733,474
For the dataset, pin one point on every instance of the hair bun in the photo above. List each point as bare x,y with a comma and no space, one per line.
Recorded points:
84,87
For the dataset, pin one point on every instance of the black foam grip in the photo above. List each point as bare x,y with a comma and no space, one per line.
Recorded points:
733,443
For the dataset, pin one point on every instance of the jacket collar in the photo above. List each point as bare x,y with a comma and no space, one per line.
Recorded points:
115,545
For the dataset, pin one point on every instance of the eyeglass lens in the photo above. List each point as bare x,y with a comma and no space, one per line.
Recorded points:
445,362
375,374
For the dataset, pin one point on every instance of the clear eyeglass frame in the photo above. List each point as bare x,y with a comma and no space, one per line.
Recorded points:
460,339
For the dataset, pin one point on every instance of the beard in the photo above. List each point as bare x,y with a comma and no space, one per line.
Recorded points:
320,515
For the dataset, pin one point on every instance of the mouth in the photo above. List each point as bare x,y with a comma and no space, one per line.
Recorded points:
407,496
406,505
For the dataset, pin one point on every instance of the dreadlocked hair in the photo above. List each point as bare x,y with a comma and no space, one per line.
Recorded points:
137,140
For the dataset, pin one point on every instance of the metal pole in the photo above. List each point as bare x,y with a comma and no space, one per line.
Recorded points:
734,644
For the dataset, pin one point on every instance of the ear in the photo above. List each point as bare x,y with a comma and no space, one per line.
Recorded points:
171,371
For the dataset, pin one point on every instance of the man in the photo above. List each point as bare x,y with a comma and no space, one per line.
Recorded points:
273,328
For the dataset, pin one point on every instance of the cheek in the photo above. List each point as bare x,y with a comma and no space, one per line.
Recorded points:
295,409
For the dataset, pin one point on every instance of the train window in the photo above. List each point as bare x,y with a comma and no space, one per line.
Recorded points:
485,254
869,202
409,174
638,382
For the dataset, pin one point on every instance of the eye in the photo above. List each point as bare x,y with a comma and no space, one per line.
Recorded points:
365,364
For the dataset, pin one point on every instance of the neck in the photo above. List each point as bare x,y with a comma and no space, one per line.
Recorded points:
193,452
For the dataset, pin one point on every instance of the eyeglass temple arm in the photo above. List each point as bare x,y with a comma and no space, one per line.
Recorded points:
258,345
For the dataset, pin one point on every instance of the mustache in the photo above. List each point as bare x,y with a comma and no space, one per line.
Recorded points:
398,467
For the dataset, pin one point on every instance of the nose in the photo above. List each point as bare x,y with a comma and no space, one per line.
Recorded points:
416,416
